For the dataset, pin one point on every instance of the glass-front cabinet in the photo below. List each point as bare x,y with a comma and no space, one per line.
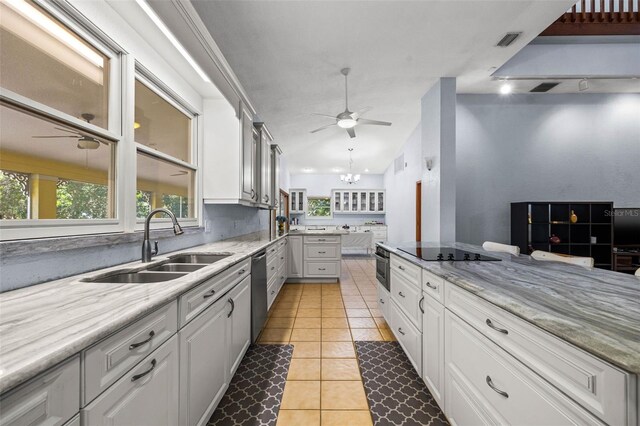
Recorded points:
298,199
360,201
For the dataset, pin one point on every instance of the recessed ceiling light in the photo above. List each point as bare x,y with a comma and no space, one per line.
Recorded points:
307,169
506,88
366,170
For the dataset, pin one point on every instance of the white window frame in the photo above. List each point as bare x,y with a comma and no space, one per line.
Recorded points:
39,228
144,76
309,217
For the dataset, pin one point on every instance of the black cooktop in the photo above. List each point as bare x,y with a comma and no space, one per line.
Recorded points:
446,254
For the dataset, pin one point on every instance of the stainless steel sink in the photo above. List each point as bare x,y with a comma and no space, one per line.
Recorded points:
198,257
141,277
178,267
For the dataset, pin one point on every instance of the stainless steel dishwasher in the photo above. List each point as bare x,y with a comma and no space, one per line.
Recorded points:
258,293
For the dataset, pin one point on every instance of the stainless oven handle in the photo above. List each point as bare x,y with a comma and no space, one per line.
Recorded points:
380,258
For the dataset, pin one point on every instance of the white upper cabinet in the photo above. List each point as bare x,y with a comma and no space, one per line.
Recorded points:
369,201
298,200
265,175
275,175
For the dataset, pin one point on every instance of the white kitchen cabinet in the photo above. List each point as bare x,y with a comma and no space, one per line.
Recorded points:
508,391
229,154
298,200
433,347
358,201
295,261
75,421
239,323
51,398
204,363
409,337
384,301
265,198
146,395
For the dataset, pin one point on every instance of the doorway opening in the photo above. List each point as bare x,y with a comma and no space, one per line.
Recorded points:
419,210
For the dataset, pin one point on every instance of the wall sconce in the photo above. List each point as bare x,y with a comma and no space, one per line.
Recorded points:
428,163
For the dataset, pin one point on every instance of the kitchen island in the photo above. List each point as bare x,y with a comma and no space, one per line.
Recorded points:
576,328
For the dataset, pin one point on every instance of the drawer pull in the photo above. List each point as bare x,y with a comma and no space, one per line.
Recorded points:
209,294
322,252
241,271
501,330
281,257
233,307
273,267
498,391
321,269
400,294
321,239
135,345
382,301
273,291
401,267
431,286
420,305
141,375
400,331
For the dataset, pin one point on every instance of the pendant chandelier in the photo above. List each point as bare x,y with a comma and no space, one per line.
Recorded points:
349,177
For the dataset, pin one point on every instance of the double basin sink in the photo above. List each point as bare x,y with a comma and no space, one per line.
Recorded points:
175,267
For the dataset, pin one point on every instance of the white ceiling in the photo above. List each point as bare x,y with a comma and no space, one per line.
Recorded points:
288,56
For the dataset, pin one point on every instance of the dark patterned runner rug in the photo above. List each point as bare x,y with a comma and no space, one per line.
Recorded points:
397,395
255,392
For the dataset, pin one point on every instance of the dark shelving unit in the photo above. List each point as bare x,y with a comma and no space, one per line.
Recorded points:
534,222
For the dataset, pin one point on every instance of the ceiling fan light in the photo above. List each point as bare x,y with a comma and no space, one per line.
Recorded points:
88,143
347,123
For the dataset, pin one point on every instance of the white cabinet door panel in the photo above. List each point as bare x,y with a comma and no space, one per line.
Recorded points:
433,348
408,335
239,322
296,263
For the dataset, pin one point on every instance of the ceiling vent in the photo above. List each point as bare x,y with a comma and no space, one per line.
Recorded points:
508,39
544,87
398,164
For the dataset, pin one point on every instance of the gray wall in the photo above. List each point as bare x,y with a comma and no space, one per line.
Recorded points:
542,147
227,221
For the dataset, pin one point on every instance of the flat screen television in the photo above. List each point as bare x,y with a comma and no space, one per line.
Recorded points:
626,227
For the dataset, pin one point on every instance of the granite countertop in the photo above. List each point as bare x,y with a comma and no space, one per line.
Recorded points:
45,324
594,309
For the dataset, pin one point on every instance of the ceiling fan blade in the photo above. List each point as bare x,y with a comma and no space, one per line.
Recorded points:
48,137
64,129
352,132
362,111
322,128
374,122
324,115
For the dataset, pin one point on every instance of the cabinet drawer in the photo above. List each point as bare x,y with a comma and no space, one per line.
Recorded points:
272,293
433,286
512,392
272,267
272,252
383,301
412,273
322,269
328,239
197,299
596,385
111,358
51,398
407,297
408,335
321,251
146,395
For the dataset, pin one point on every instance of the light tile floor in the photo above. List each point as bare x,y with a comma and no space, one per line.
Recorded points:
324,385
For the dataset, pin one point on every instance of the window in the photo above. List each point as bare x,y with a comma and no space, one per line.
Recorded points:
165,169
53,171
44,61
165,184
319,207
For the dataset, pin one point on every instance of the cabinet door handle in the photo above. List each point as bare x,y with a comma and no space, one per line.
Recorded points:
253,194
401,267
400,294
209,294
233,307
420,304
135,345
273,267
431,286
501,330
273,291
382,301
498,391
401,332
241,271
141,375
281,257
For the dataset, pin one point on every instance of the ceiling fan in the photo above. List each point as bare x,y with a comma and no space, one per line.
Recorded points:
347,119
84,141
